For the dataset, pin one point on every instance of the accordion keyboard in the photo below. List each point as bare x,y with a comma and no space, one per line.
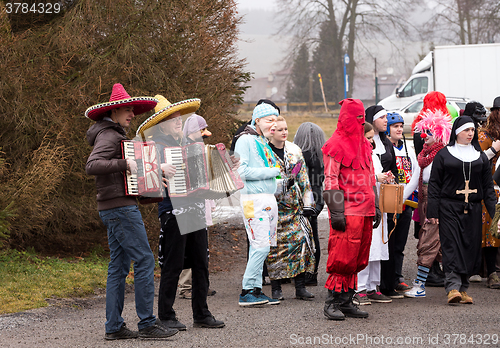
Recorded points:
132,182
176,185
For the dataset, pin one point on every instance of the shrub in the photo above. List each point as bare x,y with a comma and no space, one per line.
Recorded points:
53,72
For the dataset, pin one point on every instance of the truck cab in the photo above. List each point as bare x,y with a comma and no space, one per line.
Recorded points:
416,87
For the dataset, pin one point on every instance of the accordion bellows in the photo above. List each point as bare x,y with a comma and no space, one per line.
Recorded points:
203,171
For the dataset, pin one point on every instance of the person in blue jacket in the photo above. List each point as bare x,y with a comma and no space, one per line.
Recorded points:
258,169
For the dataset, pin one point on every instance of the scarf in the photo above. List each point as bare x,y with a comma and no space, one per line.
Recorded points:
425,157
265,152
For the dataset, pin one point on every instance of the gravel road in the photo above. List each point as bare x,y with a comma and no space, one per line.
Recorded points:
424,322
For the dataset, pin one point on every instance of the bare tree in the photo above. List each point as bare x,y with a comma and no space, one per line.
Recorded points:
342,23
467,21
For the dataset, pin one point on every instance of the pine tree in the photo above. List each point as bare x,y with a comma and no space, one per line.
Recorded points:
326,62
298,87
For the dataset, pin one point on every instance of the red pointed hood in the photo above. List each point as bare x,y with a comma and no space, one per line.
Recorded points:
348,144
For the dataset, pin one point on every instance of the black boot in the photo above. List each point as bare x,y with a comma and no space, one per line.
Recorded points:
436,275
301,292
276,292
331,309
311,279
348,307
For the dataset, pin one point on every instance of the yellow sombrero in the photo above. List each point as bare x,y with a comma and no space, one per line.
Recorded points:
164,109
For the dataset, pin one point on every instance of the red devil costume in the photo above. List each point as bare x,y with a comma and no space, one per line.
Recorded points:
349,195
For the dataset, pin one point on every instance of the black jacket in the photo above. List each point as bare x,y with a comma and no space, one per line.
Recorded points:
388,159
315,171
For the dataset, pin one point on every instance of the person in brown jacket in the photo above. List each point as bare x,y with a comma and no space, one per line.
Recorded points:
127,236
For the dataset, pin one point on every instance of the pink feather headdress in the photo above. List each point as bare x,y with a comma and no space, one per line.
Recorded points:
438,123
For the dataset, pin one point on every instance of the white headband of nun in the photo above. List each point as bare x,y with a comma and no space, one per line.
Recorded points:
465,126
379,114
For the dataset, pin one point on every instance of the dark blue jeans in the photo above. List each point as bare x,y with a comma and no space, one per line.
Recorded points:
128,241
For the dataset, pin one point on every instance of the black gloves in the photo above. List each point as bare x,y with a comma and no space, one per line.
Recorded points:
334,199
308,212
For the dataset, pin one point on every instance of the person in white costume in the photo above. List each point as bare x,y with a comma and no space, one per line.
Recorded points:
369,278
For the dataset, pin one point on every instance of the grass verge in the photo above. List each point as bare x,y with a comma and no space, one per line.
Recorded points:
27,280
295,119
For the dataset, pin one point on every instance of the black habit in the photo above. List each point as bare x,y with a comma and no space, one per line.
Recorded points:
460,233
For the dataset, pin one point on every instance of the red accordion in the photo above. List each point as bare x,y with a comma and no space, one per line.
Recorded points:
147,182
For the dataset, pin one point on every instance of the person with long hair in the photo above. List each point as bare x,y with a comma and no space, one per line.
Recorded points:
489,140
310,138
293,255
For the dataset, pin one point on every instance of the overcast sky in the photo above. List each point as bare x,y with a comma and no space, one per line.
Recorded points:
256,4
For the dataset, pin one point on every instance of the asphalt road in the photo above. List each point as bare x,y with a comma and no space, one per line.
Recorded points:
424,322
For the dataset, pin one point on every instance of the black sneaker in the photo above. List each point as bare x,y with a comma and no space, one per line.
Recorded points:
157,332
172,324
122,334
209,322
393,294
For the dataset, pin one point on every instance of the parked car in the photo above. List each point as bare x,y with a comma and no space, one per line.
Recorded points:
410,111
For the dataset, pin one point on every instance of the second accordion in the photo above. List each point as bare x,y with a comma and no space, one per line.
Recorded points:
203,171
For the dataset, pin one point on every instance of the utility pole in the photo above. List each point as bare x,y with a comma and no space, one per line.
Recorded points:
310,93
376,83
346,77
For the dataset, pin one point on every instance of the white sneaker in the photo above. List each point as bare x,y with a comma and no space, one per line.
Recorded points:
475,278
418,289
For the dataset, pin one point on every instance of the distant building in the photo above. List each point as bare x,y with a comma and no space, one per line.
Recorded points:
272,87
364,86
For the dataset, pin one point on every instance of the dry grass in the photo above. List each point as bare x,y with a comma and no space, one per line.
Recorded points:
295,119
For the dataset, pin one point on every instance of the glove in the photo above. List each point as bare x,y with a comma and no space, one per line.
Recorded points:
337,220
308,212
334,199
377,218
